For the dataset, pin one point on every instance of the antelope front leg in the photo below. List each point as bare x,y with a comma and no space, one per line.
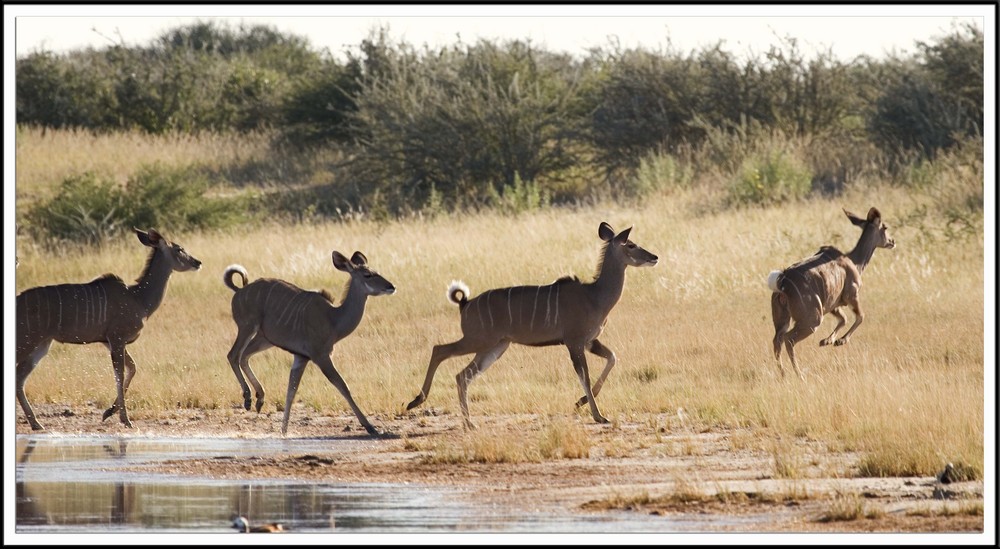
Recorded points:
840,324
326,366
118,362
129,374
607,354
858,318
580,365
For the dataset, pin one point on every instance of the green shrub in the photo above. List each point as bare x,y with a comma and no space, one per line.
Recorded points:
85,209
519,197
159,197
657,172
90,209
770,178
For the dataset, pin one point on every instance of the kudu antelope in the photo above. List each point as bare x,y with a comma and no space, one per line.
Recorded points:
823,284
273,313
104,310
567,312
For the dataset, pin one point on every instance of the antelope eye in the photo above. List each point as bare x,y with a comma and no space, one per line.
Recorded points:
630,245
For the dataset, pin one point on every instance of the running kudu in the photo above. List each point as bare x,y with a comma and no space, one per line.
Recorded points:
823,284
567,312
104,310
273,313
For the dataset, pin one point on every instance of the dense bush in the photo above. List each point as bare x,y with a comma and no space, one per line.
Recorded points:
200,77
930,104
773,177
465,122
85,209
509,125
91,209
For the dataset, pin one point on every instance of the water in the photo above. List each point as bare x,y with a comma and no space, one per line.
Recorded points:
76,484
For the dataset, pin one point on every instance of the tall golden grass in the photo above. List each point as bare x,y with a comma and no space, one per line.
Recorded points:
692,333
46,157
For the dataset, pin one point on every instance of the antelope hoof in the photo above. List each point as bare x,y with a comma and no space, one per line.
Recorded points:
839,342
416,402
373,431
109,412
825,342
469,425
127,423
246,403
260,404
601,419
581,402
35,426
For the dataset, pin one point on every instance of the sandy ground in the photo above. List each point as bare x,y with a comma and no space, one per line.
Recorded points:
654,465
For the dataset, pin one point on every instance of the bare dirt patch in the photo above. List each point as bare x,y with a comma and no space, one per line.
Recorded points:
650,464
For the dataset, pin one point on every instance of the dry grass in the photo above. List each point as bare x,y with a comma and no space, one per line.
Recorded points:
694,332
46,157
962,508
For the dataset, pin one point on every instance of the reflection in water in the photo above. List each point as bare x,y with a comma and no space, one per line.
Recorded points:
71,484
77,484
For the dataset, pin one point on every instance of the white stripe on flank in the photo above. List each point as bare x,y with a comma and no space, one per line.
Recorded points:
86,305
285,310
479,310
268,298
556,320
104,306
488,308
535,308
98,292
548,305
509,290
38,312
300,316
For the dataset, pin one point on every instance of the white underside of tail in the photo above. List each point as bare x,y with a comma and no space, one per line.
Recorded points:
772,280
236,269
457,285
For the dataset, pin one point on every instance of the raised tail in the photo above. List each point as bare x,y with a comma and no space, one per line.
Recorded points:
227,277
773,279
458,293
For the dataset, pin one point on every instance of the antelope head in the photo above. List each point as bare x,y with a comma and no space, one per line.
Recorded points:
357,266
624,249
179,259
880,230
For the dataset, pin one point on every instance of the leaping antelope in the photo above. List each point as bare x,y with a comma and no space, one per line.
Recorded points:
823,284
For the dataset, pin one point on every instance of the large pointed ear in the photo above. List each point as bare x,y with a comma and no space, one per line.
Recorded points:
359,259
341,262
623,236
854,219
151,239
605,232
874,214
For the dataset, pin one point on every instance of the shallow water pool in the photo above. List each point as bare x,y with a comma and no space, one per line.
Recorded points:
67,484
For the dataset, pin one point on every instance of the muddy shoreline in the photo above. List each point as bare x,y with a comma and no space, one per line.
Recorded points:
652,464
